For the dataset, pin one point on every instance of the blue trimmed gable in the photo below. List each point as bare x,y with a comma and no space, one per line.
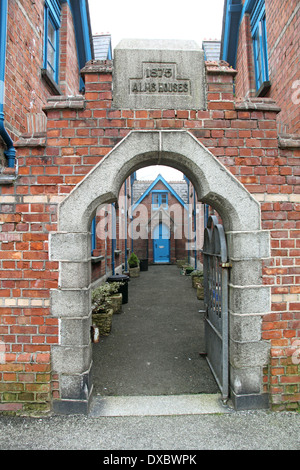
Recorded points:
151,188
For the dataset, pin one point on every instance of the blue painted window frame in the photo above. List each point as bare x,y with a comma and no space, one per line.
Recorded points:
260,44
157,199
52,12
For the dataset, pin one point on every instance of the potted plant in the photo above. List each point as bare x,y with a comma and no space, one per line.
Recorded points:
200,291
102,310
197,278
115,301
187,269
181,262
134,266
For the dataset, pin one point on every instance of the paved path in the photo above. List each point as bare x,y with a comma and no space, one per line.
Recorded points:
155,342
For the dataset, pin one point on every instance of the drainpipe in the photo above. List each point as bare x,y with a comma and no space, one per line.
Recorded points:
10,153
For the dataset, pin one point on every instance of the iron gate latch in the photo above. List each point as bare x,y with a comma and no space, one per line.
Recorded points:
226,265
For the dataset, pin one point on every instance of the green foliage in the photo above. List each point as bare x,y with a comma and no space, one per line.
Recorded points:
197,273
101,295
133,260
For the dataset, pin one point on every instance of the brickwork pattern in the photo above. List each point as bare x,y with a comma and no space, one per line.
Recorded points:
283,39
25,91
80,132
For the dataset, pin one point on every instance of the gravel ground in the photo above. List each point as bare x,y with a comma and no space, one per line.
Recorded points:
251,430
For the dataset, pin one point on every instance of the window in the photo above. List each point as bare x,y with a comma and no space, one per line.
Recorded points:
259,36
51,38
159,199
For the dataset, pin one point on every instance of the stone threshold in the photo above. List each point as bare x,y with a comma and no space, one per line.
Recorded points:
164,405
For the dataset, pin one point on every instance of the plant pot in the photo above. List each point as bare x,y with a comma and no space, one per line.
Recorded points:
144,264
123,289
116,302
188,270
103,321
196,280
134,272
200,292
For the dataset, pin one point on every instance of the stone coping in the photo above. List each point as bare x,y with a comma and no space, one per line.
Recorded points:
65,102
257,104
98,66
289,140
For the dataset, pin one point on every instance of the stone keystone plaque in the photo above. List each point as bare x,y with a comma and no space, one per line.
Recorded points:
159,74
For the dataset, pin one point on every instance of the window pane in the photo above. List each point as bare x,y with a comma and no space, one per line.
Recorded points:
164,200
265,51
51,49
259,35
258,61
51,32
155,201
51,60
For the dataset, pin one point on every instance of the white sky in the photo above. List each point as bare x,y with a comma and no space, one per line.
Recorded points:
157,19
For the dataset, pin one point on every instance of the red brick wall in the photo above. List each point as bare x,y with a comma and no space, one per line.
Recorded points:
243,138
245,79
69,69
283,32
25,91
283,50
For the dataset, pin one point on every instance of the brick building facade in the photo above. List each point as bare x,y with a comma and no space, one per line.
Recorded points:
238,164
44,45
110,235
261,41
236,133
159,205
130,225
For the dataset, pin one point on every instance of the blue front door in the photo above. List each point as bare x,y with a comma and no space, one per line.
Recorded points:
161,244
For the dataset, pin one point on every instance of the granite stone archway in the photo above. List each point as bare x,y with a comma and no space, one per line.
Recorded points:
249,300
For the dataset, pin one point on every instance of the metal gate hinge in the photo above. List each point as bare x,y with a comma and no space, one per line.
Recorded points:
226,265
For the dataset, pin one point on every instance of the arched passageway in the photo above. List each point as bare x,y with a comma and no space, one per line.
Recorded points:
156,342
247,245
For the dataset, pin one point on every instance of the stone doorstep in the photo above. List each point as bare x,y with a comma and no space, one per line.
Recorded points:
157,405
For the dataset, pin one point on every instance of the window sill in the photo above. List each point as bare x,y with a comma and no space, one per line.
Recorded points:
50,82
97,259
264,88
